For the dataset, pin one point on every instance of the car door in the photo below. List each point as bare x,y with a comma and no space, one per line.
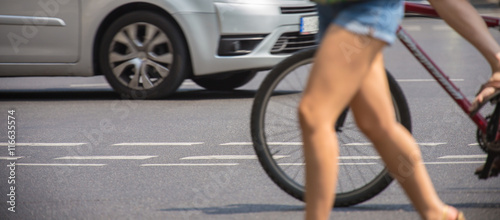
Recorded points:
39,31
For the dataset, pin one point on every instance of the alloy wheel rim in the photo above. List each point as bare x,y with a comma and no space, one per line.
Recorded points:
141,56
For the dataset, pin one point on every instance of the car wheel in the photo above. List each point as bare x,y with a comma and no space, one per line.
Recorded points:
144,56
225,82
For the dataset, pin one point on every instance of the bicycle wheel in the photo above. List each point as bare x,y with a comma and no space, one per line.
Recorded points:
277,139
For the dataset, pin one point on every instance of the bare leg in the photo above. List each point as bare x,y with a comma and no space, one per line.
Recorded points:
374,113
339,69
462,17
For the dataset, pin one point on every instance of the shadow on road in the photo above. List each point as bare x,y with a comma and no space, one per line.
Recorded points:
261,208
108,94
409,207
240,209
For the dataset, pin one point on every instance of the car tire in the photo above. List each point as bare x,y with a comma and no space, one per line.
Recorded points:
143,55
225,82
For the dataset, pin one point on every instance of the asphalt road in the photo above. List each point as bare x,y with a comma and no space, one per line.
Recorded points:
87,154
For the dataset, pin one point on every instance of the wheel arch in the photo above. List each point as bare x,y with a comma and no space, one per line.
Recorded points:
124,9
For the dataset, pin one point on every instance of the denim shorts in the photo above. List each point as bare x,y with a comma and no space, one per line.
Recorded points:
376,18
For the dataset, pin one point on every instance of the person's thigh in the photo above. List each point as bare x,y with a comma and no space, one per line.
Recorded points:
372,105
340,67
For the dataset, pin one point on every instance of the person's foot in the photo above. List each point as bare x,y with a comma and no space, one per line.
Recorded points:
451,213
487,92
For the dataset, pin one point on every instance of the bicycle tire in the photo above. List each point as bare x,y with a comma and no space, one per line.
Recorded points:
277,140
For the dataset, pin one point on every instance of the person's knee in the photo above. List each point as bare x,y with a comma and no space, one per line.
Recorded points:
306,114
312,116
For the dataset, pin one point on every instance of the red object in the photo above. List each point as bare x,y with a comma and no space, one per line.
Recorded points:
428,10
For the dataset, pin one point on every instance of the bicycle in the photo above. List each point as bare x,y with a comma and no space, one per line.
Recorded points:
277,140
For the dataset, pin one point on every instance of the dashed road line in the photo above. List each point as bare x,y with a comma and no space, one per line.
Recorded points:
229,157
45,144
340,164
482,156
269,143
358,144
10,158
432,144
254,157
189,164
454,162
105,158
369,144
59,165
159,144
237,143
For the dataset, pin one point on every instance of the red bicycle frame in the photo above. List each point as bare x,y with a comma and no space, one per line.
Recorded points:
432,68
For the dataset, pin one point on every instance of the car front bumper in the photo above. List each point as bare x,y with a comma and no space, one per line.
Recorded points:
270,27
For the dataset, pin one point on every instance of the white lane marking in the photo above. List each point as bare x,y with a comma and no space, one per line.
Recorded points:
359,157
340,164
237,143
412,27
44,144
228,157
105,158
421,144
291,164
254,157
300,144
189,164
441,28
10,158
464,156
358,144
59,165
427,163
286,143
431,144
426,80
454,162
474,144
270,143
89,85
159,144
221,157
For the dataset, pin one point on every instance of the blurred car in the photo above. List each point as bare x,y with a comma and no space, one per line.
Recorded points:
146,48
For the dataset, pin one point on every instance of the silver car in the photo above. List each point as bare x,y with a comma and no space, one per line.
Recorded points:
146,48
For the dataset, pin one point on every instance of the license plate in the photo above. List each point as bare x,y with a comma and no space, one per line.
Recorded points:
309,25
